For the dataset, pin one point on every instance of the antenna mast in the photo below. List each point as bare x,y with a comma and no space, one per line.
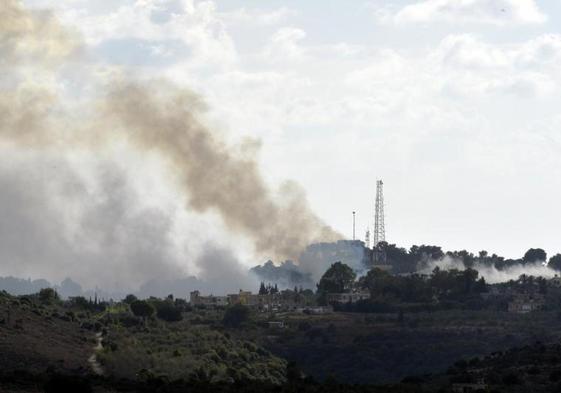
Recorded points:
354,237
379,227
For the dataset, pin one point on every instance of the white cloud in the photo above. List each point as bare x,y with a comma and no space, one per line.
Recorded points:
258,17
496,12
286,44
159,24
471,65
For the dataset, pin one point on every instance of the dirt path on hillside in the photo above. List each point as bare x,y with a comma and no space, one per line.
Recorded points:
92,360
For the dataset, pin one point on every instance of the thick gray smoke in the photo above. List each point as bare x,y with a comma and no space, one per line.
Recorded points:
314,261
52,225
221,273
116,238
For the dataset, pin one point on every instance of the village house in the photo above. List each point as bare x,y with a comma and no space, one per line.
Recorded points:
196,299
265,302
351,297
526,302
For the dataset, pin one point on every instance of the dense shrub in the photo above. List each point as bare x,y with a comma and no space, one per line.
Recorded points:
168,312
236,315
142,308
129,299
48,296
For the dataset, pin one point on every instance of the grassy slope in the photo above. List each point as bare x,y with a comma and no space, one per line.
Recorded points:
32,339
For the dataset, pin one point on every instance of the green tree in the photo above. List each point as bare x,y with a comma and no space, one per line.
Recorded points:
338,278
80,302
236,315
167,311
390,254
378,282
142,308
535,255
421,255
555,262
130,298
48,296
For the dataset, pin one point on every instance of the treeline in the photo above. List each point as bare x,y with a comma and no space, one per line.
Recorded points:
419,257
440,285
446,287
168,309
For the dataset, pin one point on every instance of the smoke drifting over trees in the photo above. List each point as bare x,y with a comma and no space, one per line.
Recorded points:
60,225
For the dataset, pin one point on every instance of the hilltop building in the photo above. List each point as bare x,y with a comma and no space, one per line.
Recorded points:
196,299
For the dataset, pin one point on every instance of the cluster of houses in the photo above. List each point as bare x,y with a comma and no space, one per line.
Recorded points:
281,301
263,302
526,300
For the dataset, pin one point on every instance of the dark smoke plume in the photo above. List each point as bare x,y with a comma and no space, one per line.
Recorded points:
152,117
167,121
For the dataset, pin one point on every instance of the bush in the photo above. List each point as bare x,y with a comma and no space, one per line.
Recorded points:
168,312
80,302
48,296
236,315
142,309
129,299
129,321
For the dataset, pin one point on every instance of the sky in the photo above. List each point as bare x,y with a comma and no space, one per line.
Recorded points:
453,103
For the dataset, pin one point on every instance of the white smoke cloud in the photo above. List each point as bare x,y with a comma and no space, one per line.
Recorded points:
491,274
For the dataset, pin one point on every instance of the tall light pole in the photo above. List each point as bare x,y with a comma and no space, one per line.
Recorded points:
354,237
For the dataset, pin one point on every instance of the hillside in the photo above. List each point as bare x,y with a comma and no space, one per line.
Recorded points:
531,368
186,349
41,336
47,343
36,336
382,348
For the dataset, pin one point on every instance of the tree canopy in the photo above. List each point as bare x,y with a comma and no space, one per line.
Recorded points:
142,308
48,295
167,311
130,298
236,315
535,255
337,279
555,262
